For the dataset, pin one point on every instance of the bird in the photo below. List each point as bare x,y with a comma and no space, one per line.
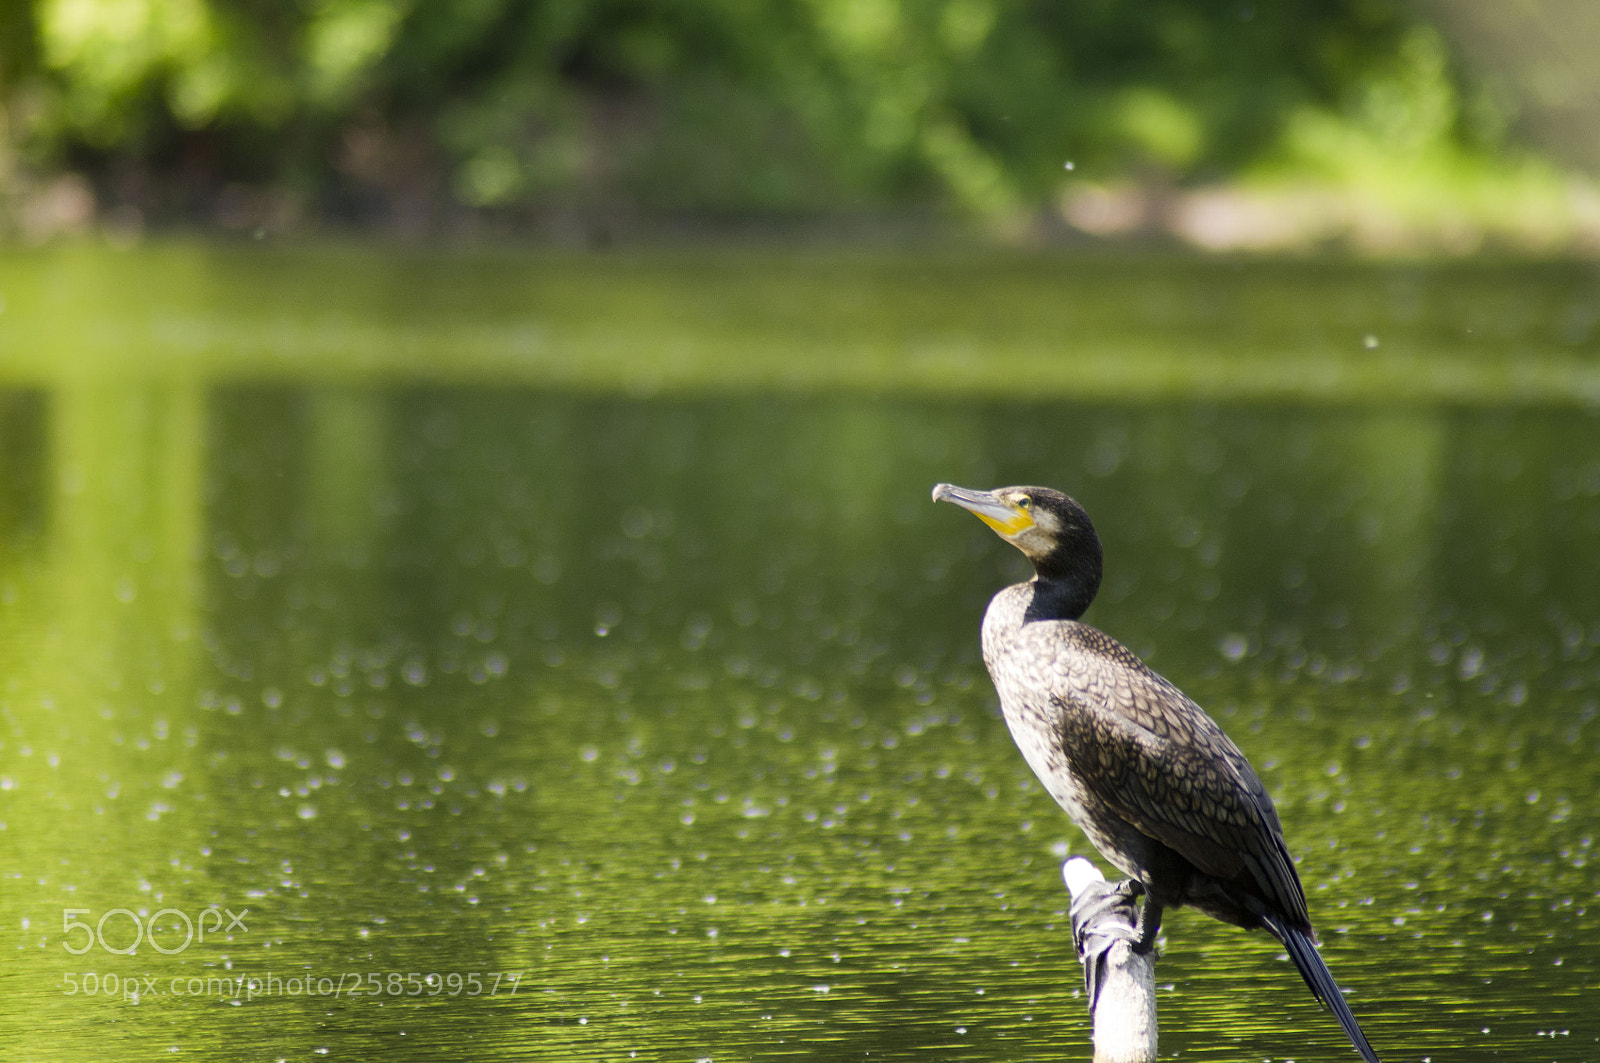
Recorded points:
1144,772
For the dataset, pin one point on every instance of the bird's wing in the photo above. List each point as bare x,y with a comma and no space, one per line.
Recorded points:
1163,765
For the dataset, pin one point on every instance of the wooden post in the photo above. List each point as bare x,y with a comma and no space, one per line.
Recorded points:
1121,983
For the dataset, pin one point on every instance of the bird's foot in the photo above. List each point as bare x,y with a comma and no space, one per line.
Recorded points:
1112,914
1106,911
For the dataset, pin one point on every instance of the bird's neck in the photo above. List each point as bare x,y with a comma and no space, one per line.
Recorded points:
1058,598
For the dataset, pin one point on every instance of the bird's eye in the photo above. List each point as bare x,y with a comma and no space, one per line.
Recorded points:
1024,502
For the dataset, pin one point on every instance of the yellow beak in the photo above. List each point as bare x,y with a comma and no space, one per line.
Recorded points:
1004,517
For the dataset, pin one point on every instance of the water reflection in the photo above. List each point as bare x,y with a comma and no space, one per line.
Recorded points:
673,710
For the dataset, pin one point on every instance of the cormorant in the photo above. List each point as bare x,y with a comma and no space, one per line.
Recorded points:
1142,770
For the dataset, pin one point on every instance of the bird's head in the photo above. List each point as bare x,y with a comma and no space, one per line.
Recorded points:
1050,529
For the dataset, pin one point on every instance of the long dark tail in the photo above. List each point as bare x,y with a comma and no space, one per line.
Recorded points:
1309,962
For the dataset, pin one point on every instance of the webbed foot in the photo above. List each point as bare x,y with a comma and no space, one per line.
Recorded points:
1104,913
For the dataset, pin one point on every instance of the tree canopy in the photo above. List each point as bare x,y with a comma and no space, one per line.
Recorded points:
383,108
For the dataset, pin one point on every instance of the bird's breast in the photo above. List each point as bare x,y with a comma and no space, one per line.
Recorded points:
1021,660
1033,717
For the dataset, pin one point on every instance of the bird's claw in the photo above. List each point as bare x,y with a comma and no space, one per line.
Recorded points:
1107,914
1102,915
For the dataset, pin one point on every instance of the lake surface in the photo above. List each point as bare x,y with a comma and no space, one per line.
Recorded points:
473,655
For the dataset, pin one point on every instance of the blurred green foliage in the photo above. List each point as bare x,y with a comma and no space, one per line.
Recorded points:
373,108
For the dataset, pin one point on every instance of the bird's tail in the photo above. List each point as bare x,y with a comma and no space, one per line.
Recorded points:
1309,962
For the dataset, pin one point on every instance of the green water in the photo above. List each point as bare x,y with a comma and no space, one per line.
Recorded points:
564,650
